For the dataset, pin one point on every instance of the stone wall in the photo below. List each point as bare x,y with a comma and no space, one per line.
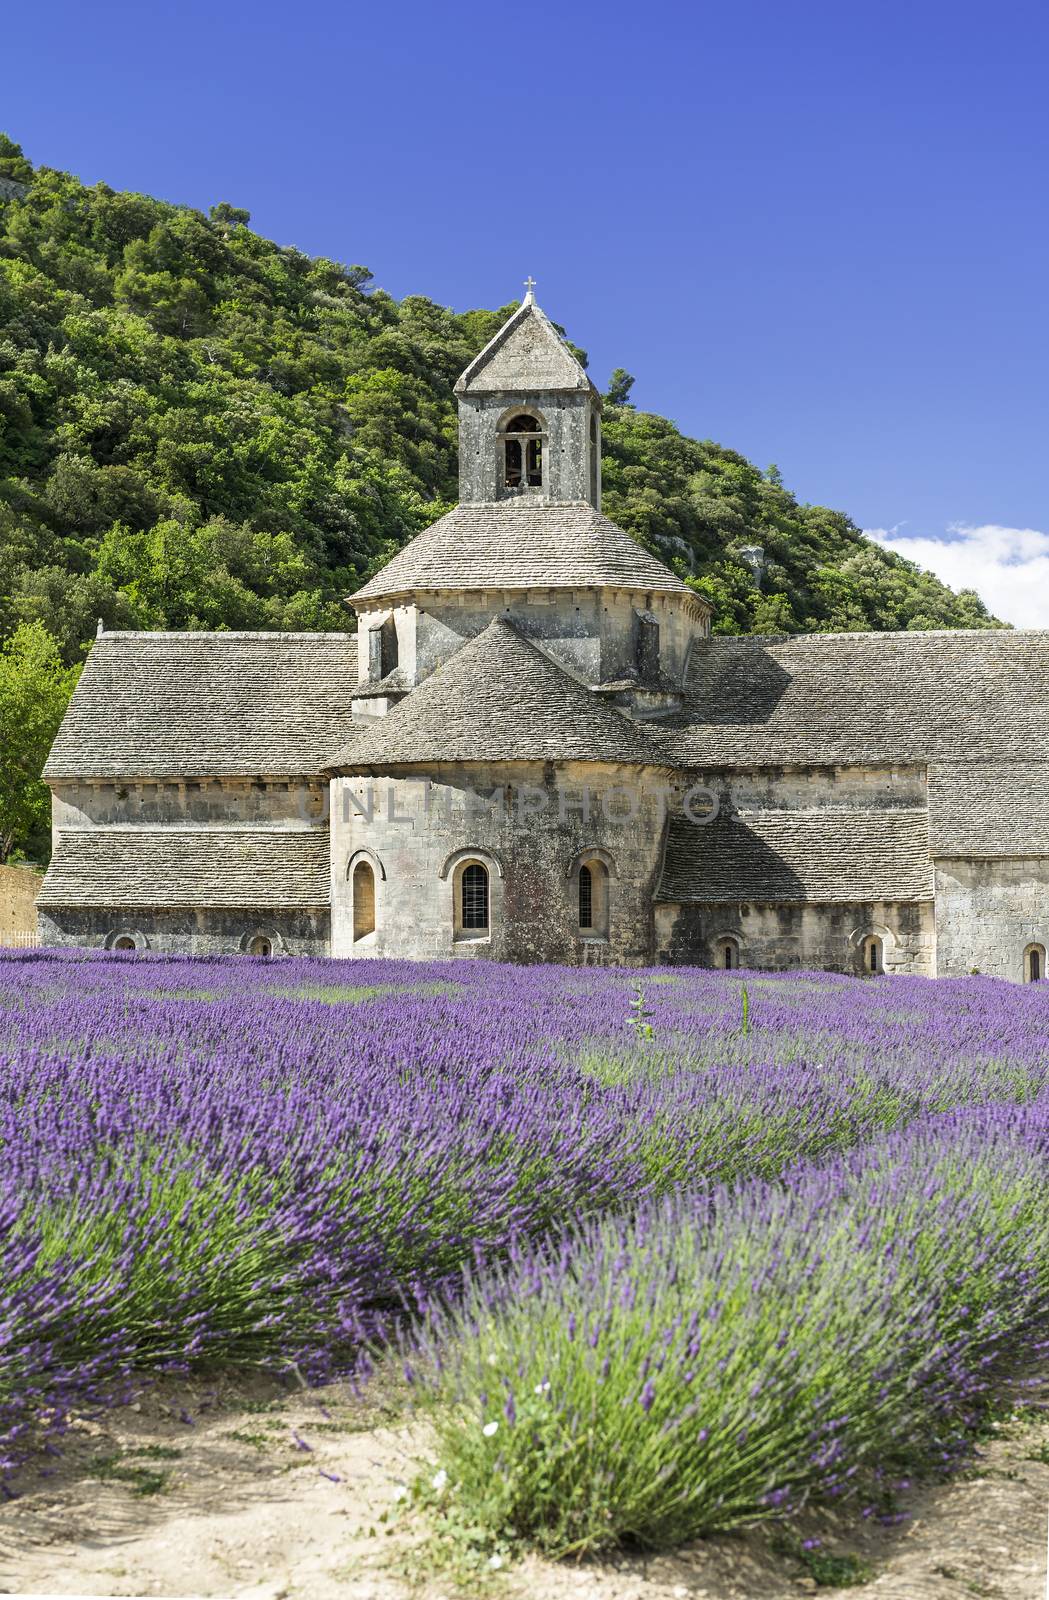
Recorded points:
567,448
799,788
530,837
189,932
592,633
988,913
19,887
153,802
778,938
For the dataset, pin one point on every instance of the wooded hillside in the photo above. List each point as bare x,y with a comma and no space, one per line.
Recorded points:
202,429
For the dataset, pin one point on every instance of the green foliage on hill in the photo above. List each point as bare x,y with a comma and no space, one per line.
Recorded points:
202,429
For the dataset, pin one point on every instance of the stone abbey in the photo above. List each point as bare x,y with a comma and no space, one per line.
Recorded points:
535,749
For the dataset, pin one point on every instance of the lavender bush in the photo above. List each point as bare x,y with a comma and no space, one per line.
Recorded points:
270,1161
720,1357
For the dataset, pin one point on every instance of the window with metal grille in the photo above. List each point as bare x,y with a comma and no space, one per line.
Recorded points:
475,896
586,898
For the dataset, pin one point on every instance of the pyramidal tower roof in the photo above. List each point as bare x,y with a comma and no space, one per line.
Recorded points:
527,353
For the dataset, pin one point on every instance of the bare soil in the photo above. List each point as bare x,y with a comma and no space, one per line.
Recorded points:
245,1491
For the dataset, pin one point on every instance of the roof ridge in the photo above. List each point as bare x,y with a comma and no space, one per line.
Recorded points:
220,633
875,633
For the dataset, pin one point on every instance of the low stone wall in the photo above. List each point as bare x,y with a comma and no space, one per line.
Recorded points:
188,932
777,938
19,887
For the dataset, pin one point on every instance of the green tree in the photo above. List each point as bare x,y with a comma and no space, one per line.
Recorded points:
619,387
35,687
13,163
227,216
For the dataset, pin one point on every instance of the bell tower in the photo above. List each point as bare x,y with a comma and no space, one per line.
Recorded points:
529,417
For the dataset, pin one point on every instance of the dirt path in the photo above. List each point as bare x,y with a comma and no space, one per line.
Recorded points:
247,1493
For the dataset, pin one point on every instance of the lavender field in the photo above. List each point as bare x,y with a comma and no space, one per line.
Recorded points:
660,1261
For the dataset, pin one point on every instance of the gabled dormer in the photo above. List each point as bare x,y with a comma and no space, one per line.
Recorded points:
529,417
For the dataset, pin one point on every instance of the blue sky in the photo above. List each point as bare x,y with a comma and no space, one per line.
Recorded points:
818,233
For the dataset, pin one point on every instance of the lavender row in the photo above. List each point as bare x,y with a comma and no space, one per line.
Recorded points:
267,1161
728,1355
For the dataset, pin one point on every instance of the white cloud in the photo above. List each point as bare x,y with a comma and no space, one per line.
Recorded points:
1008,567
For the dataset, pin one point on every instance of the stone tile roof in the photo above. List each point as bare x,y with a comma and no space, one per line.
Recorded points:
524,544
195,705
499,698
248,867
863,699
998,808
526,354
829,854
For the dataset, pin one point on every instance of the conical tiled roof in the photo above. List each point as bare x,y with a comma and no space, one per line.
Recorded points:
499,698
524,544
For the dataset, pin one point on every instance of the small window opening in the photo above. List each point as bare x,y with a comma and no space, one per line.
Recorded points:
124,941
474,892
260,946
592,899
523,453
873,954
1034,963
728,955
586,898
363,900
647,646
595,459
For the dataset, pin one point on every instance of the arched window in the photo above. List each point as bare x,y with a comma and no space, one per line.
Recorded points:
260,945
1034,963
592,898
873,954
586,898
363,889
522,443
728,953
473,898
125,941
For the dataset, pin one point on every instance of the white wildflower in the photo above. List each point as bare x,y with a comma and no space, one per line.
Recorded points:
495,1562
400,1492
542,1388
490,1428
439,1479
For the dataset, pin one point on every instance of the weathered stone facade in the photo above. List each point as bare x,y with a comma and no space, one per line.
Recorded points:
532,826
536,750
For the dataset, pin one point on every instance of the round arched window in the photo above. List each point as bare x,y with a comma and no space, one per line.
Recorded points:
125,941
1034,963
363,900
592,894
728,953
522,446
873,954
473,890
260,945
